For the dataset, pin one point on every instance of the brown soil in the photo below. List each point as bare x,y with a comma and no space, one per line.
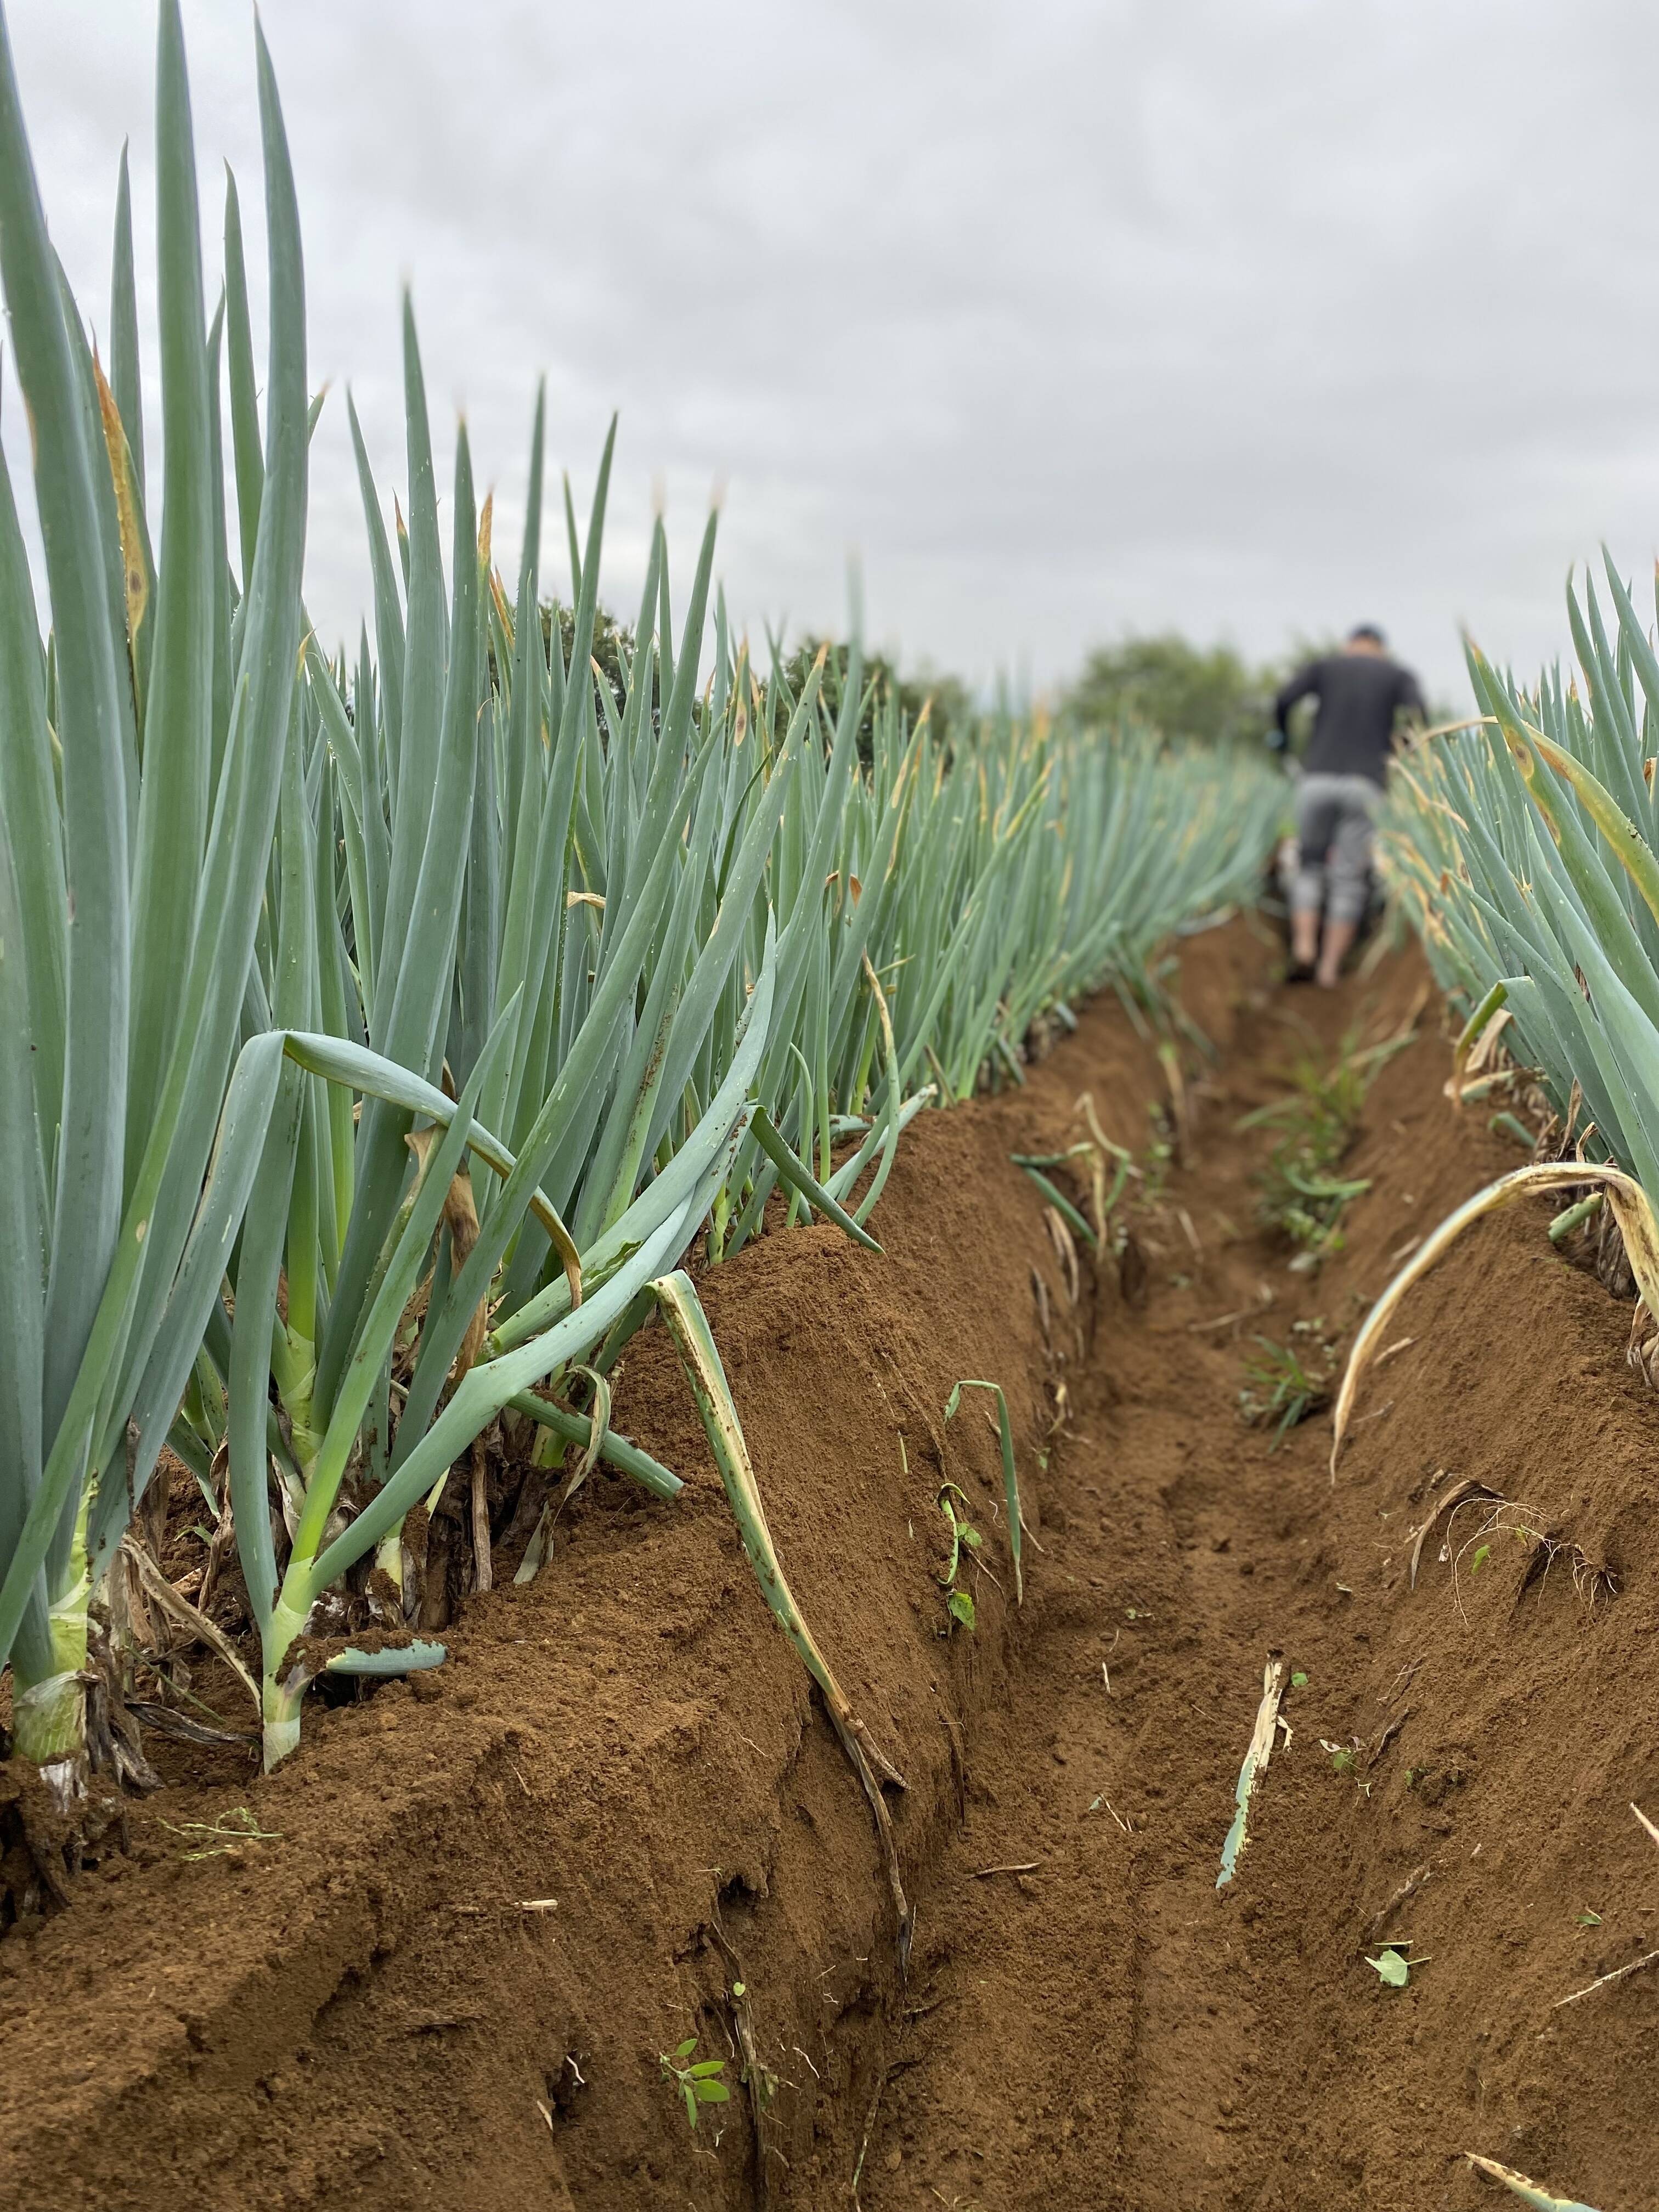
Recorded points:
360,2009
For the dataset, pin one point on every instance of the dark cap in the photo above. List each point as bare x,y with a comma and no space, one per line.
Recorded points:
1367,630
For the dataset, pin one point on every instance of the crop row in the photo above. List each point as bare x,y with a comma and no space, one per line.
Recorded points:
380,1030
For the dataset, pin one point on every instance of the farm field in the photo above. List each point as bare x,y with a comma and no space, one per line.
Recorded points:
359,2002
738,1465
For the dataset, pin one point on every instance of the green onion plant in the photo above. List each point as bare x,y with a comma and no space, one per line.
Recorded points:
1524,846
141,750
380,1026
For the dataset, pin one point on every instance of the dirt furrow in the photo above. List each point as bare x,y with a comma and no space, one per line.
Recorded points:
1081,2034
1092,2022
361,2004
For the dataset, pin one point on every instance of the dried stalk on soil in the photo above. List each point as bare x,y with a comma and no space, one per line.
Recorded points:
1630,1205
1636,1965
1256,1758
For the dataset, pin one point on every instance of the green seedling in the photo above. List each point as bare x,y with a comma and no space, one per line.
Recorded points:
957,1602
1282,1388
1393,1966
1342,1761
1298,1680
1588,1919
1301,1197
1160,1153
695,2085
1010,1474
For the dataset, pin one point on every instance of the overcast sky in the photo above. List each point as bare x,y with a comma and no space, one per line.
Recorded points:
1250,317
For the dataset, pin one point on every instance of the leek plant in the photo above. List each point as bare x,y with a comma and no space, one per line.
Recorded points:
947,899
140,760
1524,848
377,1031
489,871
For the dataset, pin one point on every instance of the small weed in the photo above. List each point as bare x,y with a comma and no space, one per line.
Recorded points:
1342,1761
1588,1919
1303,1198
1284,1384
1392,1966
1298,1680
957,1602
696,2085
1160,1154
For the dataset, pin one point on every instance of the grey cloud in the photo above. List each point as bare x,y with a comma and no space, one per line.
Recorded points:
1247,316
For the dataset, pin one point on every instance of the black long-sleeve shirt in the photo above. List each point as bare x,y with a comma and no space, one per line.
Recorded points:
1359,694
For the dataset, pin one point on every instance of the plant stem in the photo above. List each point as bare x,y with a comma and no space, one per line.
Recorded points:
49,1716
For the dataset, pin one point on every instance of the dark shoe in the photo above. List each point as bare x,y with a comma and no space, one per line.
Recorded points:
1299,971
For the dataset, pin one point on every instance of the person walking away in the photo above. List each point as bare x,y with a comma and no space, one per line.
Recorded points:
1361,692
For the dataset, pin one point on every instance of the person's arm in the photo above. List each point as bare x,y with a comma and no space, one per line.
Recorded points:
1411,711
1302,685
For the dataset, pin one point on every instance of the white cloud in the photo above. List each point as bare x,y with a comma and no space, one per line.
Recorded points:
1250,317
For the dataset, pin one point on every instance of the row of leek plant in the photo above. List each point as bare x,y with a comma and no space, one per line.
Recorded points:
213,1056
1525,847
376,1034
141,756
952,895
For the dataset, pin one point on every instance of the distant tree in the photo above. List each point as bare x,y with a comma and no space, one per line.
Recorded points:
1180,689
613,641
952,714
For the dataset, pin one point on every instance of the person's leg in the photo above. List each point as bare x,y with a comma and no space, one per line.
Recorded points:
1348,874
1315,818
1333,952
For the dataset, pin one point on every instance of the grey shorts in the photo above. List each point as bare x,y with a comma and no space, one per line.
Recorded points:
1334,815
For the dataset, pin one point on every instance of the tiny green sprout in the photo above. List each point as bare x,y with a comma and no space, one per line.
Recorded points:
694,2085
1298,1680
1129,1613
1342,1762
1479,1561
1588,1919
739,1988
1392,1965
959,1605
